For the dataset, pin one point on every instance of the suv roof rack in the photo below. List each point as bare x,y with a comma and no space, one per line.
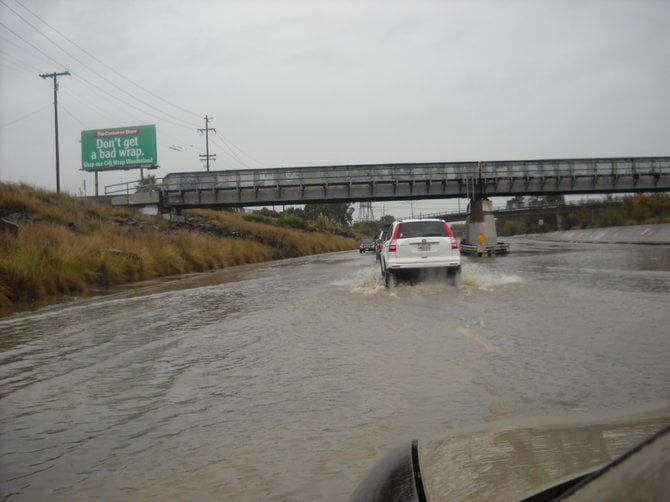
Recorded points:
406,218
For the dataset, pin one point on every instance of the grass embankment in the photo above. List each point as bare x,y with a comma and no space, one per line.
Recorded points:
637,209
67,245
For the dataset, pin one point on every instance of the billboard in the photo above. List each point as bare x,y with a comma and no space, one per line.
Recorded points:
119,148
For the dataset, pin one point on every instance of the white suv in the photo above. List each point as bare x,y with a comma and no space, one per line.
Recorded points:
419,245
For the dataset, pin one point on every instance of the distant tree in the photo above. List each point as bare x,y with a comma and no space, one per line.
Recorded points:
365,229
146,183
264,211
338,212
386,220
555,199
513,227
516,202
609,211
293,221
546,200
648,208
294,211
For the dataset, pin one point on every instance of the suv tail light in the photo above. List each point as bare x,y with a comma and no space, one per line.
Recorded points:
454,242
394,239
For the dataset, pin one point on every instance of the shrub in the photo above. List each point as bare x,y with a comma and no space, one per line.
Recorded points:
289,221
258,218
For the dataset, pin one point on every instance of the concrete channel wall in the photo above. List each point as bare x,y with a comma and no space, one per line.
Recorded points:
635,234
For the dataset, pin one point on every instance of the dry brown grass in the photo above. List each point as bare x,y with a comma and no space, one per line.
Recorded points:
68,244
292,242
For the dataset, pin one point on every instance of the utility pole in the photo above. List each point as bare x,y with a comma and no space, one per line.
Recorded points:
206,130
55,76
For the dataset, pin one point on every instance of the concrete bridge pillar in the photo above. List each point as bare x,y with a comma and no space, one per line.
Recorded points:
481,237
480,227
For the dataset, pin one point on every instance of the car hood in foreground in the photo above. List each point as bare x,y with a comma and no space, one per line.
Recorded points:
538,460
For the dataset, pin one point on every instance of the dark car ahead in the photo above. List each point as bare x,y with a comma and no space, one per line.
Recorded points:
366,245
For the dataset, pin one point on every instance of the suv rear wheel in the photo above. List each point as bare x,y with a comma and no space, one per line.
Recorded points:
390,279
389,276
454,275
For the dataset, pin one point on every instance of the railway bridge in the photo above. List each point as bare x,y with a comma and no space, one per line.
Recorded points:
383,182
409,181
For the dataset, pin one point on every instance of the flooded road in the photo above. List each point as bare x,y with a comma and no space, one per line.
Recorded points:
288,380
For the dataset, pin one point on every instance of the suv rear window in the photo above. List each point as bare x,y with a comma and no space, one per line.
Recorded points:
422,229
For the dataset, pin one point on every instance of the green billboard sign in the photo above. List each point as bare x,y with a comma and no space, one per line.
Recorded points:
120,148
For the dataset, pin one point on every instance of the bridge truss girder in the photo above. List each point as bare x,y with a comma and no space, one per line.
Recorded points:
383,182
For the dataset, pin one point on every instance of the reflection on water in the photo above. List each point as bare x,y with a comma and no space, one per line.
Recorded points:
288,380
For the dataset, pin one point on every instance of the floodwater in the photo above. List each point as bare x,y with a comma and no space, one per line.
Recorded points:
289,380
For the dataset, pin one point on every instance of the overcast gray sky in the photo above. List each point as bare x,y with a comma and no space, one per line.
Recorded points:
294,83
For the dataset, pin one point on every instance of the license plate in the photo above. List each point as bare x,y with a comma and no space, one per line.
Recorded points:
424,247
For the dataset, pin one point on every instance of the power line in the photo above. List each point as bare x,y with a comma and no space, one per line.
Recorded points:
92,56
74,116
231,144
15,67
97,107
93,106
84,65
90,105
30,44
225,142
232,155
227,145
19,63
25,116
104,91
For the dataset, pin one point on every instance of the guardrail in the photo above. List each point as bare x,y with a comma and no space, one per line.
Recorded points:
132,187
